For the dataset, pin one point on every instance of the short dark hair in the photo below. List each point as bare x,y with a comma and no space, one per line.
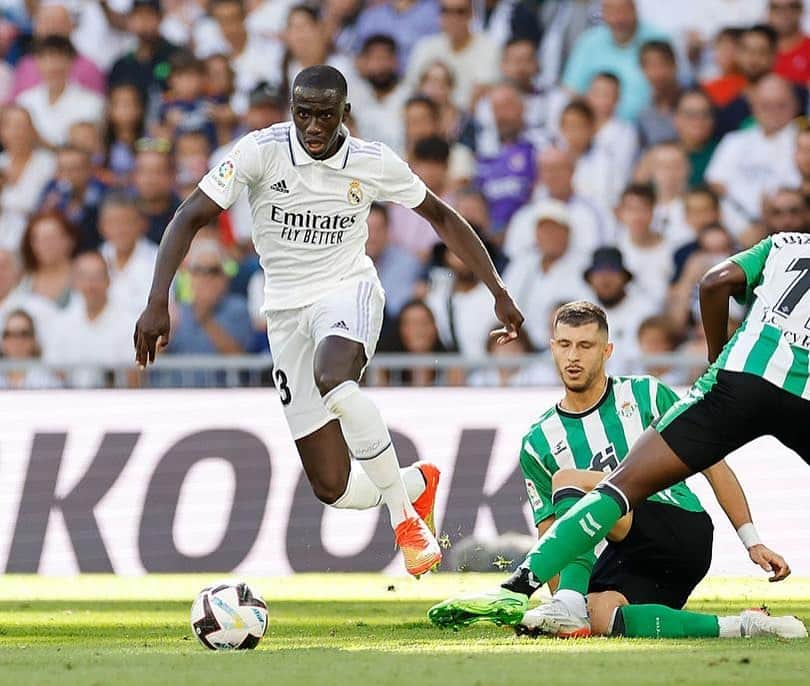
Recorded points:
766,31
310,10
608,76
579,106
645,191
185,61
689,92
424,100
54,43
732,32
517,40
322,77
660,321
706,191
120,199
580,313
662,47
378,39
431,149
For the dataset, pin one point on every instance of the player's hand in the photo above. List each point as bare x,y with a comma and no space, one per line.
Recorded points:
151,333
769,561
509,315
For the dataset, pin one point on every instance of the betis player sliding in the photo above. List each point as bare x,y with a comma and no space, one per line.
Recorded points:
657,554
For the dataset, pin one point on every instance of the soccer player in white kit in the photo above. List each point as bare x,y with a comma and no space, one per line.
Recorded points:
310,186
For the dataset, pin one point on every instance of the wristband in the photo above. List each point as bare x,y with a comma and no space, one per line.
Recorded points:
748,535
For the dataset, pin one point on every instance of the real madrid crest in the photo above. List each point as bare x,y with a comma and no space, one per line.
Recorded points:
355,193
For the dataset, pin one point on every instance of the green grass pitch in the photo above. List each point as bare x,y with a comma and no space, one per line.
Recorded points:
334,629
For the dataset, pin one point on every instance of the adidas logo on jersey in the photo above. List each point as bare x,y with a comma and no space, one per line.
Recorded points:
340,325
280,186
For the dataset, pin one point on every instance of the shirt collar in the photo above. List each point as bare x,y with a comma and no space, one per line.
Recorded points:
301,157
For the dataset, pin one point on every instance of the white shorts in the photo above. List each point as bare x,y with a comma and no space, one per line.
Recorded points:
353,311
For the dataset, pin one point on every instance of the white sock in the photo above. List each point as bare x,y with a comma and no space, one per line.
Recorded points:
369,441
730,627
574,601
361,494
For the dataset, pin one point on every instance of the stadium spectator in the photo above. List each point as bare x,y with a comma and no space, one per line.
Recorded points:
750,162
219,91
660,68
657,336
398,269
547,274
802,160
47,249
10,273
125,125
378,96
626,307
408,230
406,21
129,255
340,19
728,81
56,103
87,136
54,19
793,50
594,176
506,166
784,209
76,193
183,107
192,151
154,178
19,343
694,125
471,55
648,254
618,139
94,334
669,178
214,321
701,209
416,332
539,373
590,226
614,47
146,67
437,83
25,169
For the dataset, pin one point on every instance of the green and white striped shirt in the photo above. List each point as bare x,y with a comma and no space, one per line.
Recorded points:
774,340
598,440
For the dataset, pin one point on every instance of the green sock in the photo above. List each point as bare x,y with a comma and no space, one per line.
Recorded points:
585,524
576,575
660,621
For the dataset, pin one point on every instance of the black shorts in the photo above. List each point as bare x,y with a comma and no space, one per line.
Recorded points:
737,409
664,556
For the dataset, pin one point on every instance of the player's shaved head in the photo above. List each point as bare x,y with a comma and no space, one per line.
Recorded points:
321,77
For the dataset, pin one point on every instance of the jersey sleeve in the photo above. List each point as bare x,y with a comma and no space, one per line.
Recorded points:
752,262
398,182
240,168
538,481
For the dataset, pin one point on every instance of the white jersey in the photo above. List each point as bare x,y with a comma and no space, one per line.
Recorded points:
309,216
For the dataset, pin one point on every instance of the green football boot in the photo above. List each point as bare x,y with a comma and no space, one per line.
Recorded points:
499,606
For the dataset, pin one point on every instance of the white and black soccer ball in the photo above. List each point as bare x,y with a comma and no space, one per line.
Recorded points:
229,616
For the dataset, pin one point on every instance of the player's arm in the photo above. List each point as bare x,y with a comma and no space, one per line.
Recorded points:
735,277
152,329
461,239
730,495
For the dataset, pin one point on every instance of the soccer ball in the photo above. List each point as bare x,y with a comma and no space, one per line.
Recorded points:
228,615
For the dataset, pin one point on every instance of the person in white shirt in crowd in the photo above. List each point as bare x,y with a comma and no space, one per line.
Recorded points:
379,95
25,169
657,336
626,307
594,177
669,168
549,273
648,254
616,137
130,256
438,82
56,103
19,344
94,334
472,56
590,225
750,162
659,64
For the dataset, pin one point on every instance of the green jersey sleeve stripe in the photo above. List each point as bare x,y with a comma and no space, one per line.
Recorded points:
752,262
798,373
575,433
529,448
613,426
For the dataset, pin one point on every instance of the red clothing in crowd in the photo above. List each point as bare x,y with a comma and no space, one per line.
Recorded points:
794,64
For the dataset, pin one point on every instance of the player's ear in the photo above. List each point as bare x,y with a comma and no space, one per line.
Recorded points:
608,350
347,108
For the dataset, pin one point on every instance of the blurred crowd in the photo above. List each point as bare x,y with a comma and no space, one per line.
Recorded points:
603,149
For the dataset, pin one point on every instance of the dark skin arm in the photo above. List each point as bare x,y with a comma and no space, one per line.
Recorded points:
459,236
716,287
153,326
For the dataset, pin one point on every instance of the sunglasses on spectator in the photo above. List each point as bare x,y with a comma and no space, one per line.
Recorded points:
458,11
153,145
18,333
199,270
792,6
